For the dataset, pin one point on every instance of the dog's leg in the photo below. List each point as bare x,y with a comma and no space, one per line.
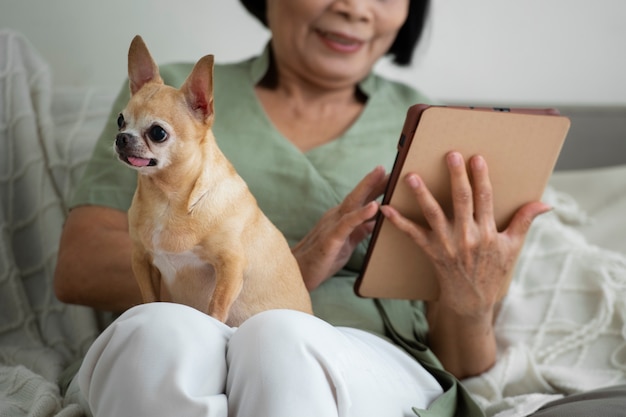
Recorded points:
228,284
147,276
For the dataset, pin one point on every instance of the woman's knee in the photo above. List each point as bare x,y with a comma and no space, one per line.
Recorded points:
164,332
162,350
274,358
277,329
168,323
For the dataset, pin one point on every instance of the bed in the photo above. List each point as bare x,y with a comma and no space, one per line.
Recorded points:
561,330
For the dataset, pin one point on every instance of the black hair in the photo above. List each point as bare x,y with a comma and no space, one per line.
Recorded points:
403,46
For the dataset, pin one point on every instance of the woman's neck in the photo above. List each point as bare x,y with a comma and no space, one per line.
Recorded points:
310,119
306,113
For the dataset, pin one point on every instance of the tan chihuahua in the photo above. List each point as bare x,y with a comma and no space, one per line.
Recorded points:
199,237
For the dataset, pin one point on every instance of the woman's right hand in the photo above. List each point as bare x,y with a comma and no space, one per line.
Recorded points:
472,259
329,245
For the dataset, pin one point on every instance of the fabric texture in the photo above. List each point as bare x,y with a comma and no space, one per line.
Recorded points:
42,155
605,402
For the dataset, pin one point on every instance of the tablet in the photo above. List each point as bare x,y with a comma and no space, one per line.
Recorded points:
520,146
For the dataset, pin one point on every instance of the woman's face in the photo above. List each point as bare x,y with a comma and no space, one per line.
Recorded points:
333,42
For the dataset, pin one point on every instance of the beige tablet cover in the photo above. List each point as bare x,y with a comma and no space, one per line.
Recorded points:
520,147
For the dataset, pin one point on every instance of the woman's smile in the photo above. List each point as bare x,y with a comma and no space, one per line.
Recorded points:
339,42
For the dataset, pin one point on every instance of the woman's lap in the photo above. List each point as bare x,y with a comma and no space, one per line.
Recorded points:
158,358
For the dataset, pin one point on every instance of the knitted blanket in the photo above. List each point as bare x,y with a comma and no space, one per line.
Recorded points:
41,157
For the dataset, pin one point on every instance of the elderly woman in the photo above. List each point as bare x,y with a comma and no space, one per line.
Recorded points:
311,129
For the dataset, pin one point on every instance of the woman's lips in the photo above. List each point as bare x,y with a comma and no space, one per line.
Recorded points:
339,42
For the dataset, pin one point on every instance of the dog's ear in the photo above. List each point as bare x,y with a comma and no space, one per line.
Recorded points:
198,88
141,67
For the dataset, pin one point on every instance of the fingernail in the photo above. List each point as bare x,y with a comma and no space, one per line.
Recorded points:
413,181
478,161
386,210
379,169
454,158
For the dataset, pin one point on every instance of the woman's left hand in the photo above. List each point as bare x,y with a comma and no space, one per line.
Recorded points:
471,258
329,245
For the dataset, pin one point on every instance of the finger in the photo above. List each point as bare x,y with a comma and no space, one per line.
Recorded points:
482,192
379,188
523,219
433,214
461,188
361,232
377,181
415,232
370,187
351,220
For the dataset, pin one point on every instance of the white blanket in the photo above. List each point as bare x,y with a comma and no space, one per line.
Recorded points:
561,328
40,158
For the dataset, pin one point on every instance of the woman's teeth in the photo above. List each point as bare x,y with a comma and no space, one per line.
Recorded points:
337,38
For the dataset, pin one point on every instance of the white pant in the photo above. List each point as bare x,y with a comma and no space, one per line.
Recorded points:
162,359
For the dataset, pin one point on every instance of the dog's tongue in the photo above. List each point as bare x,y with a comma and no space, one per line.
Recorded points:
138,162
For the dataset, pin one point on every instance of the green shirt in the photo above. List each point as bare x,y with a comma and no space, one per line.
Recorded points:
295,189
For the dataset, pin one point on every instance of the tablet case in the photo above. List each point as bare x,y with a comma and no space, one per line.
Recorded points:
520,146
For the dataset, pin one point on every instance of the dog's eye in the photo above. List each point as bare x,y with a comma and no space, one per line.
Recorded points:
157,134
120,121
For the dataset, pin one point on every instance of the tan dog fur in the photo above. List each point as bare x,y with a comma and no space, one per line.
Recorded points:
199,237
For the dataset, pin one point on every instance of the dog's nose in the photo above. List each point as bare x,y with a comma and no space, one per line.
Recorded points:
122,140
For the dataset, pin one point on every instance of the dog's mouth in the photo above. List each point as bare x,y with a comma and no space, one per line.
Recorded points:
138,162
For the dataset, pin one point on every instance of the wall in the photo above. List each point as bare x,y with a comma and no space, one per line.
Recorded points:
478,51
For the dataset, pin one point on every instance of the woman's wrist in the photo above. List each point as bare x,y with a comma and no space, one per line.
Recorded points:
465,344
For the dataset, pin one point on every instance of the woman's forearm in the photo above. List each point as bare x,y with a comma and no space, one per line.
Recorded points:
466,346
94,261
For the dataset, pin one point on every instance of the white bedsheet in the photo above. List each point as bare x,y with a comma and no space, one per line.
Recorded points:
601,194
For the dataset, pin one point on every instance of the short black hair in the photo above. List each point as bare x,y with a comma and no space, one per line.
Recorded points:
403,46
